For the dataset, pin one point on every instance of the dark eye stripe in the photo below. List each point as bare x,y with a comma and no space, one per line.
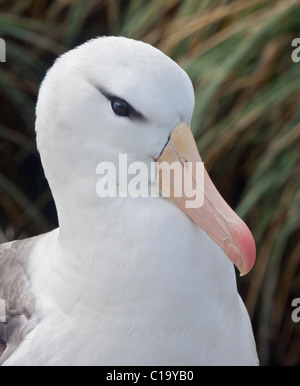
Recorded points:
133,113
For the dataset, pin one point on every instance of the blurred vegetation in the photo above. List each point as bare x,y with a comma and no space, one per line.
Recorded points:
246,121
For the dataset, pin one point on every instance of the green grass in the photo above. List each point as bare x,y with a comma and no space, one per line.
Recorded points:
246,122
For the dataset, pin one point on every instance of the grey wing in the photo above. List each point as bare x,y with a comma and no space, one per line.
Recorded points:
17,302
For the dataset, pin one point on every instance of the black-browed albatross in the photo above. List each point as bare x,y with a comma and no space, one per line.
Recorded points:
123,280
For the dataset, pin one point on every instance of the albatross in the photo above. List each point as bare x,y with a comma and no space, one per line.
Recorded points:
124,280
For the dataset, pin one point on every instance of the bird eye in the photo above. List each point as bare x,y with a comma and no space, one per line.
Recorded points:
120,108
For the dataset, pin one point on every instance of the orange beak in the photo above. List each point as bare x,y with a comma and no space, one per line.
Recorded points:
208,209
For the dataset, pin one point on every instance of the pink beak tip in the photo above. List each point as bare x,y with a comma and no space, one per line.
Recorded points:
247,251
241,249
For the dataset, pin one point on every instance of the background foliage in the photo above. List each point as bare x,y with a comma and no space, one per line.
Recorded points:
246,121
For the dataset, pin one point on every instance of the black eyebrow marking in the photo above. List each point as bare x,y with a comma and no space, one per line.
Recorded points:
134,114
